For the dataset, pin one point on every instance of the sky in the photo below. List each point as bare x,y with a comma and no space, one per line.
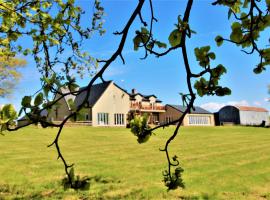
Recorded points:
165,76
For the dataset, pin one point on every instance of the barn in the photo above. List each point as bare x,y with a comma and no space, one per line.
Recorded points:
243,115
197,117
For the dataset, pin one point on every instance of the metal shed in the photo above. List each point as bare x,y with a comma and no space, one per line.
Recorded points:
244,115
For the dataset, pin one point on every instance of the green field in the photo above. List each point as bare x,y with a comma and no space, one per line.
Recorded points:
219,162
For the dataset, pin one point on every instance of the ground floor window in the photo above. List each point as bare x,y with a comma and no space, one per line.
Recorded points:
103,118
119,119
155,118
199,120
86,117
168,119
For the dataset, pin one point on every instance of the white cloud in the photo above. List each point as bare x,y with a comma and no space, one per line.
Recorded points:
257,103
214,106
238,103
266,99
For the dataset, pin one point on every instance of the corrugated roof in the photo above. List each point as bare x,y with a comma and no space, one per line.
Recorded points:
249,108
95,93
198,110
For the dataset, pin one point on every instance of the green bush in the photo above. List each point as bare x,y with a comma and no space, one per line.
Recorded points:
140,128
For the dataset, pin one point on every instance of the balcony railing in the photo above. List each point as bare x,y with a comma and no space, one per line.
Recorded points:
135,106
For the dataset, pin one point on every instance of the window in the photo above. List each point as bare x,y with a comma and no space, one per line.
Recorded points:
199,120
103,118
119,119
56,113
168,119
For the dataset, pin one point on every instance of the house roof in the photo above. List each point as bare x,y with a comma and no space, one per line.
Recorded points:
249,108
198,110
65,90
95,93
132,96
148,96
144,97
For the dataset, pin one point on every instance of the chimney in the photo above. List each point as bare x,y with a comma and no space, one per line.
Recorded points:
133,91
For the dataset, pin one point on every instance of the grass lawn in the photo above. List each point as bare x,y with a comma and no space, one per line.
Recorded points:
219,162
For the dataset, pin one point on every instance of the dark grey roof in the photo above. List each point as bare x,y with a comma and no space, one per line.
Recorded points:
144,97
198,110
95,93
148,96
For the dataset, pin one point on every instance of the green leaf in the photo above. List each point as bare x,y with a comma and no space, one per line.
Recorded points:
246,2
161,44
235,25
9,112
192,31
258,70
175,38
202,55
150,45
219,40
227,91
212,56
46,5
229,13
201,86
236,34
144,30
46,90
205,49
26,101
139,127
218,71
136,41
143,139
223,91
38,99
26,52
180,21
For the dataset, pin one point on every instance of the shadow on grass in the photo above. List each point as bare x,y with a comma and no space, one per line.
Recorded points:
6,189
83,183
14,192
100,179
200,197
17,192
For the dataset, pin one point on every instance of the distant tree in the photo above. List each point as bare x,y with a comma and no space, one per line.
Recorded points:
56,33
9,74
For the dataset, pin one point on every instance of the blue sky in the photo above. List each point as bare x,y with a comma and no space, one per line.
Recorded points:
165,77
